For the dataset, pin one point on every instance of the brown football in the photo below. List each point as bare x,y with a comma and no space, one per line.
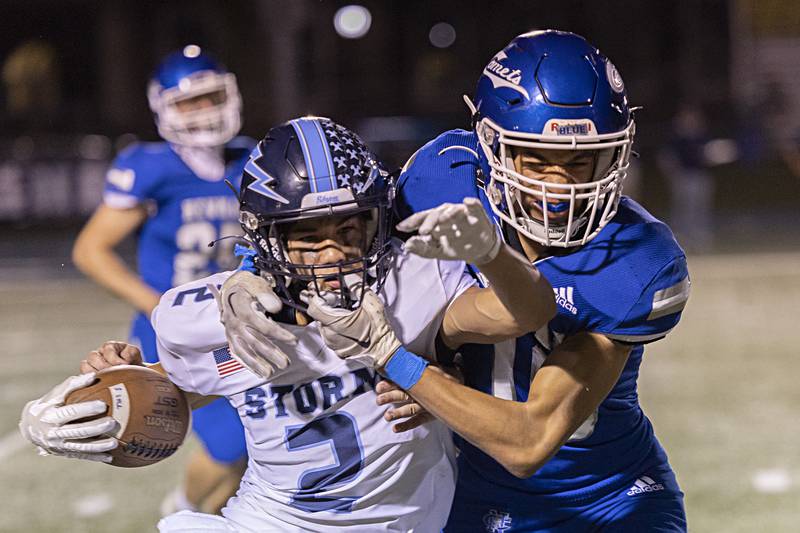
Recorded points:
152,413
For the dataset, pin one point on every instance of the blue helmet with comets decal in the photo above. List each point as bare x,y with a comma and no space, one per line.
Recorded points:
308,168
188,75
552,90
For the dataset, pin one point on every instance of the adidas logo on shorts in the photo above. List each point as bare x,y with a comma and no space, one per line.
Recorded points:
497,521
644,484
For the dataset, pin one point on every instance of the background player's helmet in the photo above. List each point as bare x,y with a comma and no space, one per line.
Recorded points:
190,74
553,90
308,168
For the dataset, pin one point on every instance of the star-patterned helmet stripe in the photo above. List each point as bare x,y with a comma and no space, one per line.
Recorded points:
351,158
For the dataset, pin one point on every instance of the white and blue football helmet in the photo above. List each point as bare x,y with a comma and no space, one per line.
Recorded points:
186,75
307,169
553,90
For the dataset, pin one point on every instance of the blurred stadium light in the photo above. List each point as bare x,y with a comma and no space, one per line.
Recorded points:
442,35
352,22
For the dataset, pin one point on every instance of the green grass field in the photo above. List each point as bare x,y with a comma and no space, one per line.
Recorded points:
721,391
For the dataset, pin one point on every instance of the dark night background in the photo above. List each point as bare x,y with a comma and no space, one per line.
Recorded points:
398,89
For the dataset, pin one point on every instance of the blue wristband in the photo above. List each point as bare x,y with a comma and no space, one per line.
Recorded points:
405,368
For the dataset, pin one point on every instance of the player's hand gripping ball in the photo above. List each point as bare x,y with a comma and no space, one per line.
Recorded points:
152,415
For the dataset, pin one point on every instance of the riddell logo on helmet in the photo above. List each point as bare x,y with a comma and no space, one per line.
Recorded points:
570,129
558,128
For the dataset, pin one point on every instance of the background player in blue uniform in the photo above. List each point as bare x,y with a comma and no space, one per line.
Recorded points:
551,432
174,194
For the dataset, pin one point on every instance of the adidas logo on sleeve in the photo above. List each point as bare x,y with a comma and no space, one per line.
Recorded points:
564,297
644,484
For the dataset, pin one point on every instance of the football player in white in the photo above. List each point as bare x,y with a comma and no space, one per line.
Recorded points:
316,206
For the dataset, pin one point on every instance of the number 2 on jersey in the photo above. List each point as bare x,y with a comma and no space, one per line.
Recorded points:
339,432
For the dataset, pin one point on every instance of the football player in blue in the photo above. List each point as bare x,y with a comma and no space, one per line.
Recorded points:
173,195
551,432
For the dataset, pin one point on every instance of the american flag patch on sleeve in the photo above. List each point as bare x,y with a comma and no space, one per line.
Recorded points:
226,365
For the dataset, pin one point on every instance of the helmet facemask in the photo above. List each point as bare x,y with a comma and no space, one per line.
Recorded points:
367,268
571,213
209,126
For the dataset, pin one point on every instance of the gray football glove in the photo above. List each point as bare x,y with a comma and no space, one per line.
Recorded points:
363,334
244,301
453,232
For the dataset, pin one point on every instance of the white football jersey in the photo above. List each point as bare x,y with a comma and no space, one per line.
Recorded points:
321,456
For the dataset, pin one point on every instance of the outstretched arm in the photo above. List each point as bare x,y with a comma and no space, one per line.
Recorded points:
519,299
564,392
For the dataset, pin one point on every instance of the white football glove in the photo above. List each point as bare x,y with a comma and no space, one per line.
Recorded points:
453,232
46,423
243,302
363,334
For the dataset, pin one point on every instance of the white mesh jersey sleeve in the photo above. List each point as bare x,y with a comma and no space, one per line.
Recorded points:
417,294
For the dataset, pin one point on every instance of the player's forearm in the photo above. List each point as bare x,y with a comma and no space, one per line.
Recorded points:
565,391
521,291
510,432
106,268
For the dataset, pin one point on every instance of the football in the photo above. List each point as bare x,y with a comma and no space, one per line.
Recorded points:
153,415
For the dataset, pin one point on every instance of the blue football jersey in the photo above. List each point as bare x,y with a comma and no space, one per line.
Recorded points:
630,283
186,213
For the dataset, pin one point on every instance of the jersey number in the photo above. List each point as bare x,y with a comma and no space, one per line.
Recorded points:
339,432
194,254
512,374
